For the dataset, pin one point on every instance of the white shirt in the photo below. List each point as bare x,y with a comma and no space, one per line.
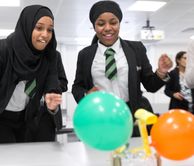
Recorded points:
19,98
118,86
185,91
189,72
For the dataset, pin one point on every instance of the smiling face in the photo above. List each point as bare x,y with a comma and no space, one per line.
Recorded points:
107,28
42,33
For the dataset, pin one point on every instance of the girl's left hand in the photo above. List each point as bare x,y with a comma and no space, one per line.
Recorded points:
53,100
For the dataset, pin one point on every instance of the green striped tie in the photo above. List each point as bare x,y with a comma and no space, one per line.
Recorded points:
30,88
111,68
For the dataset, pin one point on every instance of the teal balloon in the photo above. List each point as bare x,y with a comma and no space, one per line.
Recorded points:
103,121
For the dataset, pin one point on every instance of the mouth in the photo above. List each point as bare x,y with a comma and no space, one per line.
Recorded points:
108,36
42,41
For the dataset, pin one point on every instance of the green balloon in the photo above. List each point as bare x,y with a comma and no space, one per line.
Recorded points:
103,121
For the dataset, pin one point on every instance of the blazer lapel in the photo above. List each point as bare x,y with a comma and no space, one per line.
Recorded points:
132,73
89,60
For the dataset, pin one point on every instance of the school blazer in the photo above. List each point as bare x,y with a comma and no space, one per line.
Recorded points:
140,71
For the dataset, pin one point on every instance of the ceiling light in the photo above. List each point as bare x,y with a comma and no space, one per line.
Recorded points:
150,33
146,5
5,32
10,3
192,37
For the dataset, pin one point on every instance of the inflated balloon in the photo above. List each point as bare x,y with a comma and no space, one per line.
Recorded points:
103,121
173,134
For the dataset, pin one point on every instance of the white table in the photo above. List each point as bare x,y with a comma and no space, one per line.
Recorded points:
64,154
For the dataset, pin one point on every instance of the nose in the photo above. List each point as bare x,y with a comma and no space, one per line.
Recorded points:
107,27
45,33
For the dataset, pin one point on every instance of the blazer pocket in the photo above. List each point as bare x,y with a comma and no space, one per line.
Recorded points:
138,68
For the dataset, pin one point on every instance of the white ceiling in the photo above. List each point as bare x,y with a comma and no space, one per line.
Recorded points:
72,23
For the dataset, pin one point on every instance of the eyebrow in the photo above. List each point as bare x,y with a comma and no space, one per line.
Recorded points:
44,24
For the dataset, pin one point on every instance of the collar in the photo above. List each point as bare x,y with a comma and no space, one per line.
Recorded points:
116,46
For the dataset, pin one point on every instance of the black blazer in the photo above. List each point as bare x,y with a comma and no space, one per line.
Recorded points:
43,125
173,86
140,71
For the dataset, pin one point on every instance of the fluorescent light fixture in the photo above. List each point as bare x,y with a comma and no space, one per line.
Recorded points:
5,32
146,5
10,3
192,37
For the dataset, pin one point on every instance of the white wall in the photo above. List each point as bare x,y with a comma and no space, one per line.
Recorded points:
158,100
69,56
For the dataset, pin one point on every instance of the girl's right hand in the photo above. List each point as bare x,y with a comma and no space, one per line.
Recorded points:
94,89
178,96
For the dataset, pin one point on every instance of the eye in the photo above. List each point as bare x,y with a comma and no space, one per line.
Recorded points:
43,28
38,28
50,29
100,23
114,22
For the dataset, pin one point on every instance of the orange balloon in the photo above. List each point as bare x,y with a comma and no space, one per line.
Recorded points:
173,134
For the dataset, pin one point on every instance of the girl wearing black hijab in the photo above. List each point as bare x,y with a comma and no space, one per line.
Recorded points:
132,65
27,72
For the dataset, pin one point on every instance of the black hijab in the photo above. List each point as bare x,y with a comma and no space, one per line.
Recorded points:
26,60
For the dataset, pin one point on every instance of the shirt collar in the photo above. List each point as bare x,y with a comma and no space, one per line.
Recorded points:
116,46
